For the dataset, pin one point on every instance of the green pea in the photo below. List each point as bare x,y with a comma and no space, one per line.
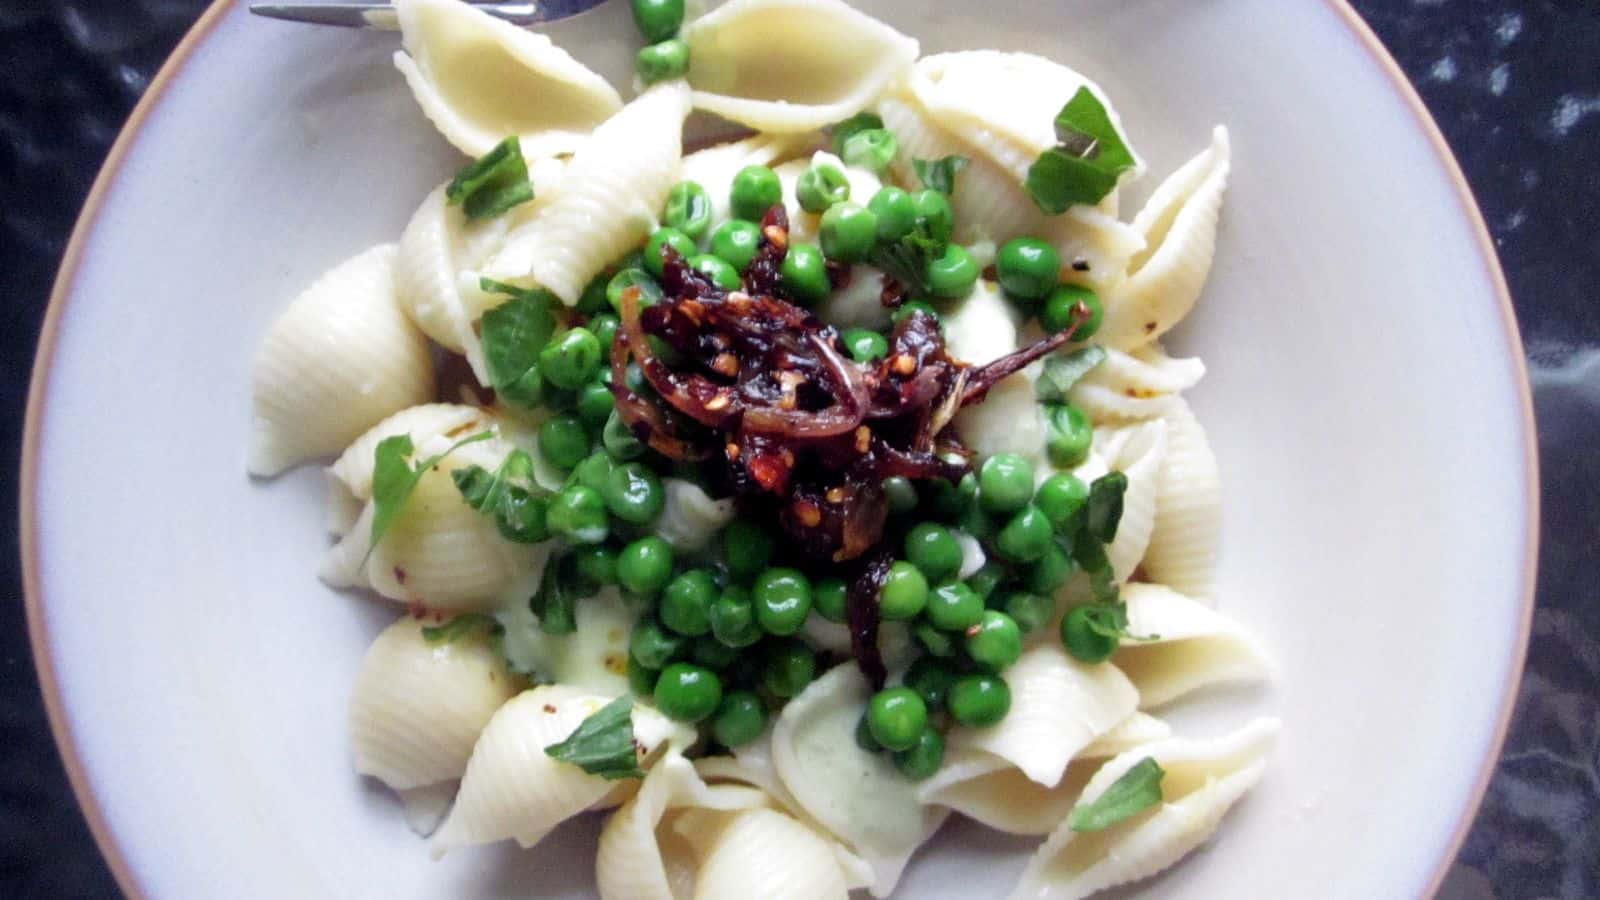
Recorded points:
688,209
649,291
895,211
848,232
641,680
597,563
905,592
861,121
831,599
593,471
896,717
900,492
652,646
634,493
936,642
618,439
952,275
986,580
930,679
1060,309
736,242
865,345
951,501
805,273
979,701
658,19
755,190
996,641
524,517
1084,642
604,326
1068,435
571,359
563,441
872,149
593,298
662,61
782,600
1029,611
713,654
740,719
644,566
789,667
934,214
654,259
721,273
686,603
821,186
1063,498
747,547
864,738
1005,483
923,758
527,391
953,606
1025,537
579,515
733,618
595,404
915,308
1028,267
934,550
1050,571
687,693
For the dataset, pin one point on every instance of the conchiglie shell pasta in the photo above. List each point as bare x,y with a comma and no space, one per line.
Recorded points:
353,469
335,363
764,853
1133,387
418,707
480,80
1137,452
792,65
610,195
1193,646
1179,226
1188,526
634,860
1203,779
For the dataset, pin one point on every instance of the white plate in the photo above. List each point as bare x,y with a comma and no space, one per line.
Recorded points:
1366,399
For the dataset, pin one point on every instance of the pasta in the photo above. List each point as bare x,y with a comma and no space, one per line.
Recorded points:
1134,387
1188,525
1137,451
1191,646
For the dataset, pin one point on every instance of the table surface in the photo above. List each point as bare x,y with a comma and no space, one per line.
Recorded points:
1515,85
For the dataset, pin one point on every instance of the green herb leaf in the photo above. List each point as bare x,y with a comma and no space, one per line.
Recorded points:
603,744
513,334
1087,162
1137,790
940,174
509,496
493,183
461,626
394,478
1105,505
906,260
843,131
560,588
1064,370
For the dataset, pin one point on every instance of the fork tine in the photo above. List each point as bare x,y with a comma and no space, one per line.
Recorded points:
381,16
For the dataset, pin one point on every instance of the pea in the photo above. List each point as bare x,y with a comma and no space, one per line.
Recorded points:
755,190
527,391
563,441
721,273
905,592
984,581
733,619
644,566
634,493
895,211
1005,483
805,273
1068,435
653,646
782,600
914,308
593,471
713,654
872,149
570,359
649,291
618,439
654,258
524,517
736,242
896,716
864,738
597,564
953,606
930,679
933,549
1083,641
740,719
1028,610
746,547
848,232
936,642
1061,306
821,186
789,667
688,209
593,298
579,515
661,61
996,641
951,501
952,275
641,680
934,214
1028,267
922,759
865,345
831,599
658,19
1025,537
979,701
686,603
899,491
861,121
1050,571
688,693
1063,498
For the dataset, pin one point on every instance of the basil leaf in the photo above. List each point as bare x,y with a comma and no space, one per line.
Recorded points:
906,260
1107,619
1090,555
493,183
1105,505
940,174
513,334
1137,790
556,601
603,744
393,478
1084,167
1062,371
509,496
461,626
843,131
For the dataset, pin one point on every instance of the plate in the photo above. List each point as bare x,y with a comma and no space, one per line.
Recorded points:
1366,399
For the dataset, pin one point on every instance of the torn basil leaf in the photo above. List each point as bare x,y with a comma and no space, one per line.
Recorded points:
509,496
1137,790
1105,506
513,334
940,174
560,588
460,627
603,744
394,478
1064,370
1086,163
493,183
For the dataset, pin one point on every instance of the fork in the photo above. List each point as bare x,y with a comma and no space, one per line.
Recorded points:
381,16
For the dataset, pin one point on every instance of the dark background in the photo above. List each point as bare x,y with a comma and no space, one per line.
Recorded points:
1514,84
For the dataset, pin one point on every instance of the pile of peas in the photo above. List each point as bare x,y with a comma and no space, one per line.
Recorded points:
666,57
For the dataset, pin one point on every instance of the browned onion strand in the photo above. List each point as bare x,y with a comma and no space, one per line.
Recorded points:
861,612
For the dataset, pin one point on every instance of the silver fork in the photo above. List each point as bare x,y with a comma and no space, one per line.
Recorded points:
381,15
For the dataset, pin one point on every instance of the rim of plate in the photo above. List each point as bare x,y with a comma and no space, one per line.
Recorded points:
172,69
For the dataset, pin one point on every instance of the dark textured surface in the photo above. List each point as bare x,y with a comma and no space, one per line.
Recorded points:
1516,88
